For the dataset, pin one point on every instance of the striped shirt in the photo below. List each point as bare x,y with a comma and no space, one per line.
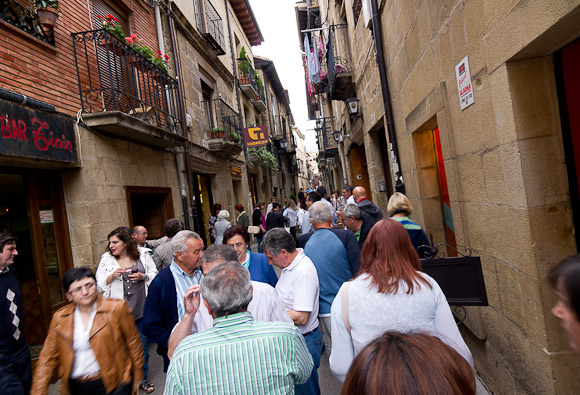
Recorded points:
240,356
182,282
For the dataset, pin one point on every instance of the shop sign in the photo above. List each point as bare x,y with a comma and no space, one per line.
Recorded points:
236,171
29,133
464,83
256,136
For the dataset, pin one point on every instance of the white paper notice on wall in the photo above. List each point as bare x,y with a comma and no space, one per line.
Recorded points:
464,83
46,217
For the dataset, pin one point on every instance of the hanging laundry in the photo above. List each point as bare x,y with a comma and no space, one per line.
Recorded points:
313,64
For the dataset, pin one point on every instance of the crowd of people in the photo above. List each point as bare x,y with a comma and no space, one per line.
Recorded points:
225,323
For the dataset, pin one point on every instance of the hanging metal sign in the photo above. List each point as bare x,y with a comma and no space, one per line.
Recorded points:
256,136
35,134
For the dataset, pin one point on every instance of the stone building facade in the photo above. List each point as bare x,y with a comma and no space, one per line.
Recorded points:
95,135
498,176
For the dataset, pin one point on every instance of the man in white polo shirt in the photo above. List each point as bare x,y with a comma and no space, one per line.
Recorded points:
298,290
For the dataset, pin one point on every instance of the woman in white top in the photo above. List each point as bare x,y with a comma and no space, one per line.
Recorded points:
221,225
125,272
389,294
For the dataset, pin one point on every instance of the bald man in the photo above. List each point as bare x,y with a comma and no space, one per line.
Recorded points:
371,214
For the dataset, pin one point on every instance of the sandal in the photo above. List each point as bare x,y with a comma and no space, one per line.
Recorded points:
147,387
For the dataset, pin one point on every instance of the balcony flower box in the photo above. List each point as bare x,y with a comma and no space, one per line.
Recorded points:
217,133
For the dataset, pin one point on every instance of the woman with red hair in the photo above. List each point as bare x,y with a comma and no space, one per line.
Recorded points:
418,364
389,293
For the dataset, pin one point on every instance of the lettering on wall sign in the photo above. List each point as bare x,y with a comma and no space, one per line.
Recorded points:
35,134
256,136
464,83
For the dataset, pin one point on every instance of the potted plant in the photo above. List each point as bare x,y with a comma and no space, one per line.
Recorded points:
261,155
259,86
217,133
233,136
47,11
243,67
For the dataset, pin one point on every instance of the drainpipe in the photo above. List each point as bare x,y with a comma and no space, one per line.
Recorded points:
182,183
380,58
158,27
237,84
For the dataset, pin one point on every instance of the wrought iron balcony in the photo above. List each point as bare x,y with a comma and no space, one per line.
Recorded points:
210,25
118,86
280,127
247,78
260,99
223,128
327,145
339,64
25,19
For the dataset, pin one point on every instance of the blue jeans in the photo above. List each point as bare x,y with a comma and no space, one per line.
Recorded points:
139,325
314,344
259,241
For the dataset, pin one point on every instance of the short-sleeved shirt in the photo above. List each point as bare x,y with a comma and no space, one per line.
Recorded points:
298,289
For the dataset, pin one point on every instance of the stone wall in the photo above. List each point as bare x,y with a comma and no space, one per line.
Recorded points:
504,164
95,197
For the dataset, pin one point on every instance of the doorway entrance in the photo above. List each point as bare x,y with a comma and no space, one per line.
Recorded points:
202,205
358,160
566,64
32,209
149,207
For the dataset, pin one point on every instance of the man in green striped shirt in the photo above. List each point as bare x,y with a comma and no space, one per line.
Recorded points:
238,355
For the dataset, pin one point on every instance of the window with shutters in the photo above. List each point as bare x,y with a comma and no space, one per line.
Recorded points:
102,8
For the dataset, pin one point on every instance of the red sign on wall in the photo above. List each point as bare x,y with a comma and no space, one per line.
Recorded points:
29,133
256,136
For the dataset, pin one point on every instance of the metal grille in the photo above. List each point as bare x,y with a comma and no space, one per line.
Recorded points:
222,120
112,76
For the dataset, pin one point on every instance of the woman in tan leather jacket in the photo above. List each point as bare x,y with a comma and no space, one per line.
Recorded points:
93,342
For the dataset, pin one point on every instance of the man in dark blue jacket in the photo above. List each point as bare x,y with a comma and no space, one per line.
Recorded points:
336,256
164,306
16,376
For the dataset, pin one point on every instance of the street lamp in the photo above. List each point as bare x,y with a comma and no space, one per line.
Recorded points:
337,134
283,143
352,105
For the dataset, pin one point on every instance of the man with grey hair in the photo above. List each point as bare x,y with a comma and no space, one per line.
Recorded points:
352,220
238,355
265,305
336,256
164,306
298,290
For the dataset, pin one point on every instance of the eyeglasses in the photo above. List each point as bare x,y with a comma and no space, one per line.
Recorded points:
79,289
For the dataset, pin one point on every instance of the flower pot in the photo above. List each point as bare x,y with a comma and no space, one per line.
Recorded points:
217,134
116,48
244,81
47,16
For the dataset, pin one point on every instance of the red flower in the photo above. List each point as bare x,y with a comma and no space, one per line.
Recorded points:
133,36
99,16
159,51
166,57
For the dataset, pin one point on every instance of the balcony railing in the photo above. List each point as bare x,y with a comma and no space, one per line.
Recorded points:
222,121
25,19
260,99
210,25
339,63
112,76
325,139
281,127
247,78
